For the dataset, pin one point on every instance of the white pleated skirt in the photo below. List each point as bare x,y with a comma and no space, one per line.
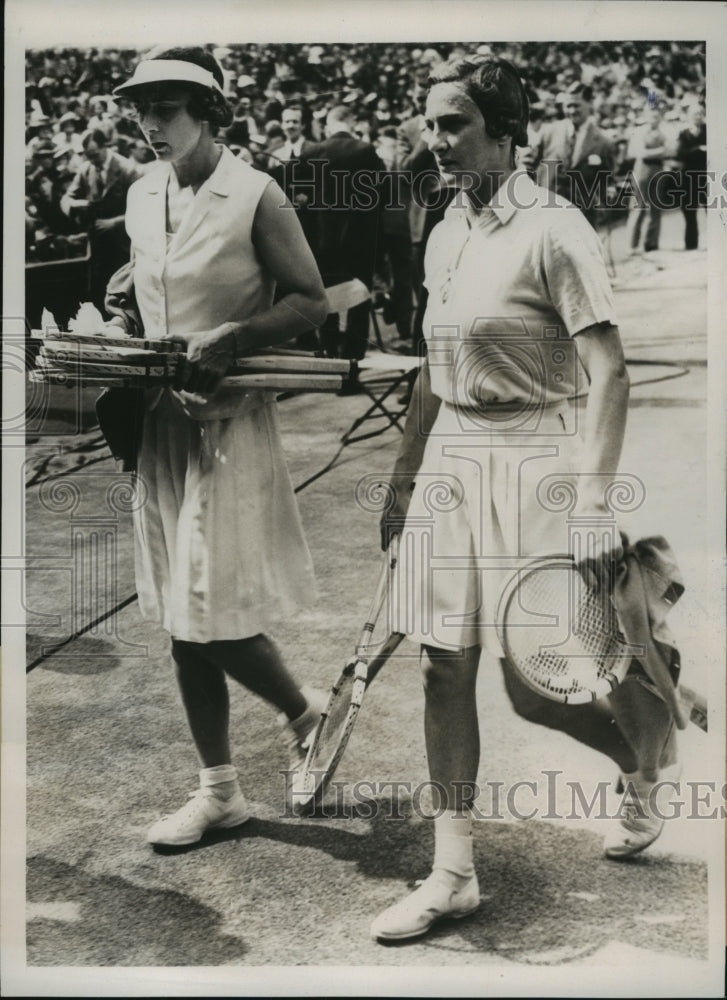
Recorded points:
219,544
490,493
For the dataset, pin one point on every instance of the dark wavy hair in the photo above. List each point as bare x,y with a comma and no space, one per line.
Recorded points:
204,104
496,88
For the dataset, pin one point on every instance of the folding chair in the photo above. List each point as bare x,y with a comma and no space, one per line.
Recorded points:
345,296
388,372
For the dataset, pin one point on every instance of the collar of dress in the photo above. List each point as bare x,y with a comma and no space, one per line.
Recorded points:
218,182
516,192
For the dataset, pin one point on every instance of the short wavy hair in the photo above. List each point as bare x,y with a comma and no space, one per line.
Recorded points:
496,88
205,104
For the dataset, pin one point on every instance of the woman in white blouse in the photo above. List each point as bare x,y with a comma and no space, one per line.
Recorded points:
519,318
220,551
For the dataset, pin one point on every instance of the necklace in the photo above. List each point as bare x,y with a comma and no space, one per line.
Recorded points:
452,266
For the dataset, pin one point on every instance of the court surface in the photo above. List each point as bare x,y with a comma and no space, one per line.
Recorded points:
108,750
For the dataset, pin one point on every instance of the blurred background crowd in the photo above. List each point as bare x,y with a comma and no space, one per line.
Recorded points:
639,97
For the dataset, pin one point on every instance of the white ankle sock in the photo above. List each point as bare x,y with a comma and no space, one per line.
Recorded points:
220,780
453,845
638,782
303,724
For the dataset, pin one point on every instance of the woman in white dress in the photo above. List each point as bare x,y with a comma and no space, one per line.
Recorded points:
220,550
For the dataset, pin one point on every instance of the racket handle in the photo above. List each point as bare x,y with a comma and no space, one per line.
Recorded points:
694,703
388,647
696,706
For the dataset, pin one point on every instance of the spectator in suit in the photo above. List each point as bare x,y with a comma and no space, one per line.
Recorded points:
590,155
428,198
416,159
98,195
650,145
344,175
296,143
396,240
692,152
573,156
296,146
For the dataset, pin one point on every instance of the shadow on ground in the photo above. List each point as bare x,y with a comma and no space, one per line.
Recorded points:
82,656
108,921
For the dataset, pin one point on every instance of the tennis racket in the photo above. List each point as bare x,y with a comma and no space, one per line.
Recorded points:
106,361
331,736
563,637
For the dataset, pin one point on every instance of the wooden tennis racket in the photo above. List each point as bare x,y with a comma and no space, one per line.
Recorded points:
332,734
563,638
75,361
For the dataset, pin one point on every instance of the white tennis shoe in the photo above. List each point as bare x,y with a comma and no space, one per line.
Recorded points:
296,734
433,900
202,812
639,824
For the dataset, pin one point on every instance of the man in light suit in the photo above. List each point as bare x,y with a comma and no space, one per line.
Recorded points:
572,156
98,194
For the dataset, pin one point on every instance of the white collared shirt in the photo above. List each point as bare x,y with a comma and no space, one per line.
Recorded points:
509,286
291,150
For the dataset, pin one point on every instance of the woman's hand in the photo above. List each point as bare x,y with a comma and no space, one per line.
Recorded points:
394,516
600,548
209,356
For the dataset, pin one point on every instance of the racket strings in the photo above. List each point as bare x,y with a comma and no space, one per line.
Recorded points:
578,644
337,715
336,722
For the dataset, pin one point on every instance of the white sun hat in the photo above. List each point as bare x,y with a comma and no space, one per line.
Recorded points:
151,71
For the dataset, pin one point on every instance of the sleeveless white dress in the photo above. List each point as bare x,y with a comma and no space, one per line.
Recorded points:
219,544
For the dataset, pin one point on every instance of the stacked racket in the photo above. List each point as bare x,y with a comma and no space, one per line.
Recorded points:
73,360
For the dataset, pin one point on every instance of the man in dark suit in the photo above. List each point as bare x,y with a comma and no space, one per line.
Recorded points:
98,194
425,202
692,151
417,160
345,179
296,144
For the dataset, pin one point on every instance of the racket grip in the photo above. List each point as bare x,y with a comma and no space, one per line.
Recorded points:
695,705
380,659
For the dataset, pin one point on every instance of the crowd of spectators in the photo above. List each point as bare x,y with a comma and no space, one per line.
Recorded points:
68,93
